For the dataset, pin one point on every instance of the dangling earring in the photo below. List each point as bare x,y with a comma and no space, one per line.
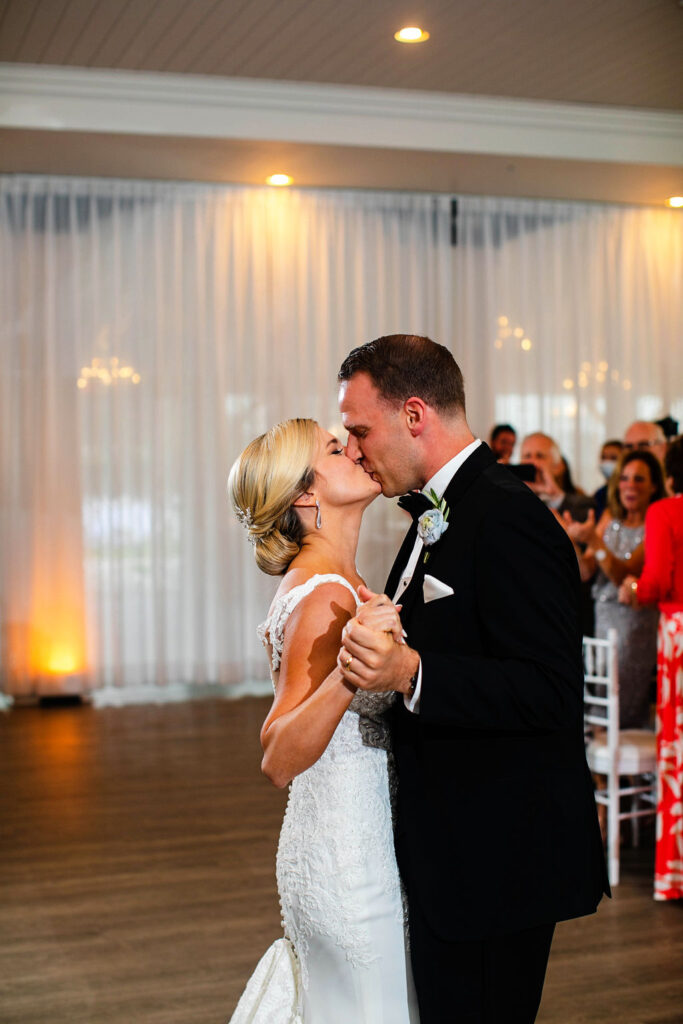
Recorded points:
318,518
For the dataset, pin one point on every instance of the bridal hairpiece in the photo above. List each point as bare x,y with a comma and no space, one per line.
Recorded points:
247,520
245,517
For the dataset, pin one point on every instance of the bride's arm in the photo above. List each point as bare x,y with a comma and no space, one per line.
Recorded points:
311,694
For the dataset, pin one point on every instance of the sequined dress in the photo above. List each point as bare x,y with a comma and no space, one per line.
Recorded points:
636,630
343,957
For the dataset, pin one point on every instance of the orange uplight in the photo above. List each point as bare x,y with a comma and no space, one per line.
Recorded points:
62,662
279,179
57,652
56,639
411,34
44,650
675,201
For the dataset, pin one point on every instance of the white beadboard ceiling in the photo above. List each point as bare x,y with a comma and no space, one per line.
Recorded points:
624,52
603,53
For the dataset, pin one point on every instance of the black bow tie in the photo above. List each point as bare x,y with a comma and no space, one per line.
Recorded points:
416,503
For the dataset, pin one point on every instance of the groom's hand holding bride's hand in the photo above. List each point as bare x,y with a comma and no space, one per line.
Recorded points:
374,655
379,613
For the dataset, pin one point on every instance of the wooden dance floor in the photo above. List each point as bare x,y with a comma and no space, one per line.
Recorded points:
137,878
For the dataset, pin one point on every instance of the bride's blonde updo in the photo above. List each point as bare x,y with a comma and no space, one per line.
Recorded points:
265,481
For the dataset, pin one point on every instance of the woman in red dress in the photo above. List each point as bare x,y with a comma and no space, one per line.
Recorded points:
661,583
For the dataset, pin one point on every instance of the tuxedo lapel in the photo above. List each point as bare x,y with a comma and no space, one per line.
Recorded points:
450,545
446,547
413,589
401,560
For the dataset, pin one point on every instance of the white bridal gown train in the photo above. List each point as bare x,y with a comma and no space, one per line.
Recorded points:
343,959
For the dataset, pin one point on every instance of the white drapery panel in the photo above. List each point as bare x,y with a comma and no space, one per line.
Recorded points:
569,319
214,312
122,564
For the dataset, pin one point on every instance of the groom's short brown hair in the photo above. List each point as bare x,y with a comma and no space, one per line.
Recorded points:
405,365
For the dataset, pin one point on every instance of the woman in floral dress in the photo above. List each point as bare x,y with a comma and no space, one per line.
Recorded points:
661,583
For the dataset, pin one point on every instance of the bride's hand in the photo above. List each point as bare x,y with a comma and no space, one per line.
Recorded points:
378,613
384,619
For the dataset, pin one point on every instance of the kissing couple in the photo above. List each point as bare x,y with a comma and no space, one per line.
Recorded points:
441,816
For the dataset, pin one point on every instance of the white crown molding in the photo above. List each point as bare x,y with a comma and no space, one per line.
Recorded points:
145,103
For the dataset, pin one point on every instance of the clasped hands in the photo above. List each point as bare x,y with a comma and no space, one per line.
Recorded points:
374,655
628,591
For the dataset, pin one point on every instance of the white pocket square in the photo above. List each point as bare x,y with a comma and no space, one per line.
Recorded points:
433,589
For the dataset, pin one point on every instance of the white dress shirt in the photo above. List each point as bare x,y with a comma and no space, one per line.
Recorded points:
438,483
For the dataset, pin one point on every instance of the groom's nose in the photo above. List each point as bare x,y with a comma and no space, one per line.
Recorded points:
352,450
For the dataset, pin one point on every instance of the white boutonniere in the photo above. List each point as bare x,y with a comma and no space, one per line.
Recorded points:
433,523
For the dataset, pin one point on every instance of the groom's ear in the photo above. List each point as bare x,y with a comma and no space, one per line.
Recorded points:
414,410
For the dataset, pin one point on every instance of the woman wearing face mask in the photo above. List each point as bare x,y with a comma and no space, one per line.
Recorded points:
609,454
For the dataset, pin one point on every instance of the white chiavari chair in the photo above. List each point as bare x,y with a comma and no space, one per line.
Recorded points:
626,758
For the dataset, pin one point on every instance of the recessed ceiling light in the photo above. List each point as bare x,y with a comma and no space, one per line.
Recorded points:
411,34
675,201
279,179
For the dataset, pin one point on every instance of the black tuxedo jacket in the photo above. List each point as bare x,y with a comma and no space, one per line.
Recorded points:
496,827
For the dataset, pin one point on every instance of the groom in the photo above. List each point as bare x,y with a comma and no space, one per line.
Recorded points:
497,836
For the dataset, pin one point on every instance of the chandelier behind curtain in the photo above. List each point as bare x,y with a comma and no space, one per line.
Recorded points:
151,330
569,319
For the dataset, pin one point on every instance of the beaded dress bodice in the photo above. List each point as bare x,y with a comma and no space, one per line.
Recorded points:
622,541
636,630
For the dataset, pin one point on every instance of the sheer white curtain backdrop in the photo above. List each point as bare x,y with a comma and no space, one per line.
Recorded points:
150,330
568,319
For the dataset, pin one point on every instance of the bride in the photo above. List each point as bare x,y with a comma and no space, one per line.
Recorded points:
343,957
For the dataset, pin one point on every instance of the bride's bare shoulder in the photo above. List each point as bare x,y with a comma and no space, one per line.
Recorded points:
327,597
300,576
294,578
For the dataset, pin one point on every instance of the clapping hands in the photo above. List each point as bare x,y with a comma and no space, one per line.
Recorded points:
628,593
580,533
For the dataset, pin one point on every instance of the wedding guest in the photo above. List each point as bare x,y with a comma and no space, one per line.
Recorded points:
609,455
553,483
615,549
669,428
661,583
502,442
645,436
556,489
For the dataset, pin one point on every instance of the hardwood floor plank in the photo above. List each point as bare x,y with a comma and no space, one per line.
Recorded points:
138,878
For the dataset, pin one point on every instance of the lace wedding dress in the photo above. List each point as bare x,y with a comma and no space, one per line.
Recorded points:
343,959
